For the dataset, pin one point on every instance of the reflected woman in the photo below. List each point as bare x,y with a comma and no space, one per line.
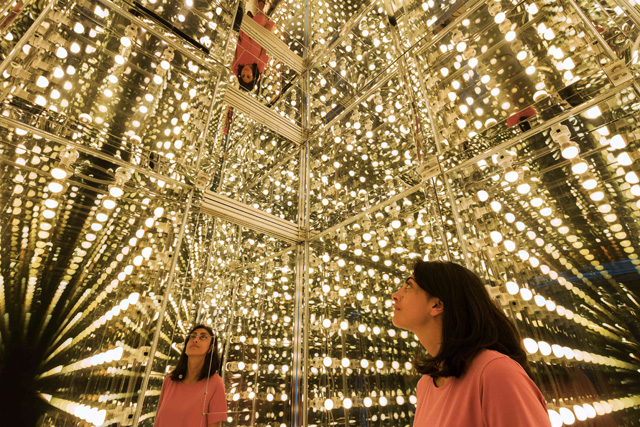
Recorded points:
193,394
251,58
476,372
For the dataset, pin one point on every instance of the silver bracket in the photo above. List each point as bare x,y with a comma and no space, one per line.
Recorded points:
429,168
618,73
202,179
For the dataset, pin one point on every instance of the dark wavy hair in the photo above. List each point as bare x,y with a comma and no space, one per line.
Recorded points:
211,360
472,321
248,87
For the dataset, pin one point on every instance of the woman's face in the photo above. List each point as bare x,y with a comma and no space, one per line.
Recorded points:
411,309
199,343
246,74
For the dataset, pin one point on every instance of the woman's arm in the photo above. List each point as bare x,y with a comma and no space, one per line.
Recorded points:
218,424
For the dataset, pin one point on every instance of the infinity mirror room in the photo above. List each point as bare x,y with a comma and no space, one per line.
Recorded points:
272,172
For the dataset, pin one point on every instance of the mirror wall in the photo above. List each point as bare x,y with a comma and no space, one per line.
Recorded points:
144,193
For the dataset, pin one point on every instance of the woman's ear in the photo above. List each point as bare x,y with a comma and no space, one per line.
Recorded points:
437,306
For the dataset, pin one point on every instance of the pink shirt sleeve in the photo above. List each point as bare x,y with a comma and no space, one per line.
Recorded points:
508,394
217,410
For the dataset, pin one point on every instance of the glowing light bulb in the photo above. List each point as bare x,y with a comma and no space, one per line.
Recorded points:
116,191
512,288
511,175
569,150
59,173
579,166
618,142
567,416
55,187
530,345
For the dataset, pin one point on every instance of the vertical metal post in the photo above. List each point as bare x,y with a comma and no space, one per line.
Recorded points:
185,218
163,308
299,416
594,31
436,136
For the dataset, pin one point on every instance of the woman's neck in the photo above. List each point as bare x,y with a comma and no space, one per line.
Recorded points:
194,366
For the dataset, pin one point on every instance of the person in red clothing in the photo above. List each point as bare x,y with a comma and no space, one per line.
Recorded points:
251,58
476,371
193,394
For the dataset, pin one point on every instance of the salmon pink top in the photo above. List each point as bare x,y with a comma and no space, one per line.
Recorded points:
494,392
248,51
191,405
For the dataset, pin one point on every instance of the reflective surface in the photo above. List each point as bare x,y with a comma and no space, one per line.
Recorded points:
143,195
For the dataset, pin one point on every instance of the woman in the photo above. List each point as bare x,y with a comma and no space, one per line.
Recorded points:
194,389
476,373
250,58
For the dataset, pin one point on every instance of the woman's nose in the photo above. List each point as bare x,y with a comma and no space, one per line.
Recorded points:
395,296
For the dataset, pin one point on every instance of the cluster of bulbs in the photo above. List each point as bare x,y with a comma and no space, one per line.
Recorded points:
136,99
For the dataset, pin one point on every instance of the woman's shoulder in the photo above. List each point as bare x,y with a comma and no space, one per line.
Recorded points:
217,381
491,362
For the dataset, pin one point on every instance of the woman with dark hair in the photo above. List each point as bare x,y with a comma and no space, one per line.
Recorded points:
194,389
476,371
251,58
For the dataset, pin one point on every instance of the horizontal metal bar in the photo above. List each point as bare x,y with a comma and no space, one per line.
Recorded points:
379,83
247,216
541,128
272,44
6,121
354,218
194,55
263,115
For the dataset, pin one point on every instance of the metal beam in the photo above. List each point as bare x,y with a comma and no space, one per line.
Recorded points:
272,44
263,115
239,213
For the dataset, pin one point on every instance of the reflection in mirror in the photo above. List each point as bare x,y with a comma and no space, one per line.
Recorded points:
146,194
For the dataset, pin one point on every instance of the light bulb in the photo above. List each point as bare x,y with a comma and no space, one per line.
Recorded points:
617,142
42,82
347,403
544,347
55,187
108,203
567,416
590,183
569,150
511,175
523,188
555,418
512,288
496,236
530,345
115,191
59,173
624,159
579,166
